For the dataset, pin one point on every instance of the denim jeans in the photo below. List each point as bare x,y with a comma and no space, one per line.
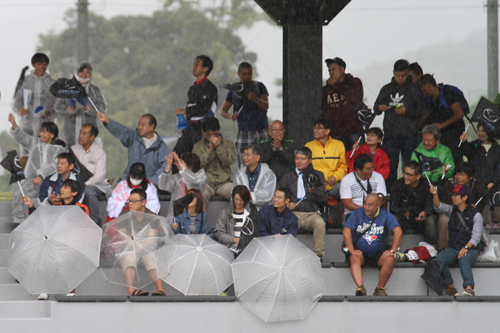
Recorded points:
393,147
449,256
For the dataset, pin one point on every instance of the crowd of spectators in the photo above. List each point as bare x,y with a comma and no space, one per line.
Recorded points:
280,187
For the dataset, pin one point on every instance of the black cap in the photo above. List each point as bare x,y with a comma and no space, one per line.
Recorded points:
335,60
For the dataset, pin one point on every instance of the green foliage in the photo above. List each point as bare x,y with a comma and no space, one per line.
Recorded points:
144,64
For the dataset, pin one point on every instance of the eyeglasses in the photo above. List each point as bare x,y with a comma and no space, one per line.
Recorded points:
134,201
248,155
409,175
369,169
318,128
277,129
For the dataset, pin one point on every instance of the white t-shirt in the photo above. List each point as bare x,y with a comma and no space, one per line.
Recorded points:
350,188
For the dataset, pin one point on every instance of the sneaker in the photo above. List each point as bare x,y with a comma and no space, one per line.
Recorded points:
70,294
468,292
452,292
361,291
379,292
43,297
223,293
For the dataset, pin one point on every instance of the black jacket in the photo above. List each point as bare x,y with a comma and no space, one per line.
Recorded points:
313,200
407,94
280,161
201,99
414,200
477,188
487,164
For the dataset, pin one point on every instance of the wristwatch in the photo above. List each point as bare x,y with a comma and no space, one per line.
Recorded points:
466,247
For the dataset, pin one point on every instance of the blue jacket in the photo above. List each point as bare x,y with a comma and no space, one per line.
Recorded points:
53,184
271,223
153,158
184,222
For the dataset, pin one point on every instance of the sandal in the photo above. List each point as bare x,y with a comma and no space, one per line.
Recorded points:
158,293
140,293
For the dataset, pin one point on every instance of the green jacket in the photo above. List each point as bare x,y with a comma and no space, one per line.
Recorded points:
217,164
444,154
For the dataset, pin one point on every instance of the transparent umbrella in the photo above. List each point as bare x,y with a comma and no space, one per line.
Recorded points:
197,266
128,242
278,278
54,249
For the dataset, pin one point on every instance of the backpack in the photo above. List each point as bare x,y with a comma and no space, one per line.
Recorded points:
332,212
442,100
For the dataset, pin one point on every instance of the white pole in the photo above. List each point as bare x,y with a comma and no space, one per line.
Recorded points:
465,132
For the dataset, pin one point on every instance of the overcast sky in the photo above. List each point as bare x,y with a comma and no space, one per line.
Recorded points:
364,34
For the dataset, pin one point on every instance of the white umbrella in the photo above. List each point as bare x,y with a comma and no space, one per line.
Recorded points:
54,249
197,266
278,278
130,240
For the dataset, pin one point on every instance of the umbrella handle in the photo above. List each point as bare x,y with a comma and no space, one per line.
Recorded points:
22,192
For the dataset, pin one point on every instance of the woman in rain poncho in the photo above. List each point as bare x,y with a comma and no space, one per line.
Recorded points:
136,179
190,176
80,111
42,162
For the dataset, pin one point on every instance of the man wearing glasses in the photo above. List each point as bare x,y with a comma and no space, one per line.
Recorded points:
411,202
278,152
328,157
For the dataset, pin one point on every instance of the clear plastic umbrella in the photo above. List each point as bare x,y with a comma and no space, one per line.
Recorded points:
278,278
54,249
197,266
129,241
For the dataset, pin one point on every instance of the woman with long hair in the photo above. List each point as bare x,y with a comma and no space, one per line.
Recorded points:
193,220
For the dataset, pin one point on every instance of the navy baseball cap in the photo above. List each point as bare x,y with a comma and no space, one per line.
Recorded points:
462,190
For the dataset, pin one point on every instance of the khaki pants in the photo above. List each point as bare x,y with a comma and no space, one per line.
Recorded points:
442,230
130,259
495,216
224,190
315,223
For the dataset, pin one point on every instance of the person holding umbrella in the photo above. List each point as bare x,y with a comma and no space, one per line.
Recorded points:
137,202
43,152
70,191
77,112
193,220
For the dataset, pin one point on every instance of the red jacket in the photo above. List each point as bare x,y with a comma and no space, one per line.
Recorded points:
380,160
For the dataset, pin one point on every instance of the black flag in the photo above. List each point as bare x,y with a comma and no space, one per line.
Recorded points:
79,169
240,91
11,164
488,114
366,117
428,163
493,195
68,88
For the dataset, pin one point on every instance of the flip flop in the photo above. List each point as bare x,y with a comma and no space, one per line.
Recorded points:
140,293
158,293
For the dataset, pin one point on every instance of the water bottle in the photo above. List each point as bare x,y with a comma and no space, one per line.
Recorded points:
181,122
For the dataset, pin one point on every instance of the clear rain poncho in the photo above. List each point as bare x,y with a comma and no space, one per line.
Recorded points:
179,184
40,98
73,121
42,161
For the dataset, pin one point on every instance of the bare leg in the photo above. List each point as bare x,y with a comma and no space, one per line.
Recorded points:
23,160
387,266
154,276
356,270
130,279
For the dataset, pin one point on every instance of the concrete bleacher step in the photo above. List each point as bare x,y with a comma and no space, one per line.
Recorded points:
24,309
15,292
5,276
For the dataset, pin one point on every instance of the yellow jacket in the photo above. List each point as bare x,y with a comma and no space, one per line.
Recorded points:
329,159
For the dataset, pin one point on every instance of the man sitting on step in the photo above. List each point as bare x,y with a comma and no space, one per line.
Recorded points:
364,237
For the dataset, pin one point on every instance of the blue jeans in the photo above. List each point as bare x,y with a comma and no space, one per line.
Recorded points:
349,140
334,191
450,256
393,147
